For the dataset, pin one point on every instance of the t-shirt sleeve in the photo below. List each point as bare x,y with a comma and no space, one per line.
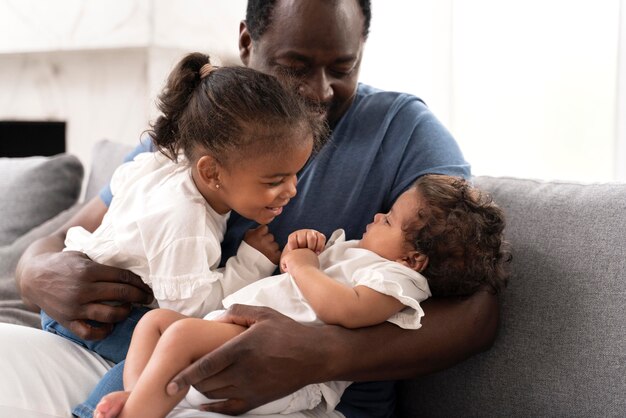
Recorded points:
145,145
402,283
430,149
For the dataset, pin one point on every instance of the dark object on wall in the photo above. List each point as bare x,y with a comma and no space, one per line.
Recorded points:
29,138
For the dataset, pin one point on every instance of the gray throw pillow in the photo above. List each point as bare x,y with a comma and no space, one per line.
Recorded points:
35,189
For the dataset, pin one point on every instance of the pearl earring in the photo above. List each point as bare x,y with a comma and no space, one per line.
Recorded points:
217,186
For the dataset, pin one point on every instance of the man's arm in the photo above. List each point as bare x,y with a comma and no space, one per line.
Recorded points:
276,355
69,286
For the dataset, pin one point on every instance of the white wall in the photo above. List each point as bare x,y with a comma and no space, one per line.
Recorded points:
620,146
530,88
99,66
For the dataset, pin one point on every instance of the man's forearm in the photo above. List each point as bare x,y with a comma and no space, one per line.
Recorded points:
452,331
52,243
28,268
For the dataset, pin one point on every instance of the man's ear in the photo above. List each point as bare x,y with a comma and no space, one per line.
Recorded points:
416,261
208,171
245,43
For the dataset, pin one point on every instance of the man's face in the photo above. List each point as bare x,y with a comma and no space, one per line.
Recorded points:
319,43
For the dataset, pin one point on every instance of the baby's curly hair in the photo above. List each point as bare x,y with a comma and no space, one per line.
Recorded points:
460,229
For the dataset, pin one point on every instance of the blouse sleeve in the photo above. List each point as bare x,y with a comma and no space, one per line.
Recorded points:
402,283
244,268
184,276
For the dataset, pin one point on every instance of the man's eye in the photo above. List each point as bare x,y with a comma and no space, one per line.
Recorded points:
343,72
292,71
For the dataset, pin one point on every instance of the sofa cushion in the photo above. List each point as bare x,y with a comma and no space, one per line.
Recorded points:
106,157
34,189
561,348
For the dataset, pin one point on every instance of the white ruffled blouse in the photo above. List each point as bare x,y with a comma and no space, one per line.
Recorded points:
161,228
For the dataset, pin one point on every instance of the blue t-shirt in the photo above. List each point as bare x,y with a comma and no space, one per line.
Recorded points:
383,143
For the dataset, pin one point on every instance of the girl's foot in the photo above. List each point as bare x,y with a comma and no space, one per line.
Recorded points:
111,405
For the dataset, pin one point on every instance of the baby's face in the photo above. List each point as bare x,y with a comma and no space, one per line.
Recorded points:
385,235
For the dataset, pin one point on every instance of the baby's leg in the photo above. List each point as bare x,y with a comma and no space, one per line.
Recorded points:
182,343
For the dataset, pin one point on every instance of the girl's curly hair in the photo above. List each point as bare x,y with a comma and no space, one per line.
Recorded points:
460,229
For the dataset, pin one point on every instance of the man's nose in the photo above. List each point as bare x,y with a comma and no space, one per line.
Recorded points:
317,87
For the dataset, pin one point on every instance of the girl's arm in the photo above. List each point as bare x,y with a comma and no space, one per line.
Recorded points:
333,302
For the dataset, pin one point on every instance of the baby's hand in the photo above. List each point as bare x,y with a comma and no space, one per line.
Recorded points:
295,259
306,238
261,239
303,238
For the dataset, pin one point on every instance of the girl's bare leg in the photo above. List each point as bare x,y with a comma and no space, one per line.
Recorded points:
145,338
183,342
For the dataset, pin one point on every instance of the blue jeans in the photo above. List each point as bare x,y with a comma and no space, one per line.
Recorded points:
112,381
114,347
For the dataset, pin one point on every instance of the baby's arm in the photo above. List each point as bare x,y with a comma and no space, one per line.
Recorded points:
334,302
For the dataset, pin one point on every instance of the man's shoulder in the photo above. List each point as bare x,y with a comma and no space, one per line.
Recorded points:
376,104
373,107
370,95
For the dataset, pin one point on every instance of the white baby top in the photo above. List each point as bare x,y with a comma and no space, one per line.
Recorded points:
161,228
345,262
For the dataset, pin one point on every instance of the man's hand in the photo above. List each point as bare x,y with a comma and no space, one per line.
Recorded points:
261,239
70,287
274,357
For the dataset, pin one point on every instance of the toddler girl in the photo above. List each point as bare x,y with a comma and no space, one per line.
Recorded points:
230,138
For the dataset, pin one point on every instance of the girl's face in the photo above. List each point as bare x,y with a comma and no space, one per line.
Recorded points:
259,187
385,235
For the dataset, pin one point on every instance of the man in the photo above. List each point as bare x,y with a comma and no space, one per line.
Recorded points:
381,142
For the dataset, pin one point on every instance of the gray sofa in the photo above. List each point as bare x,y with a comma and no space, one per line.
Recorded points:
561,347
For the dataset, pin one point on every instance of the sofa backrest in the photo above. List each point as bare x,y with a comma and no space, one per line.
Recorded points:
106,156
561,347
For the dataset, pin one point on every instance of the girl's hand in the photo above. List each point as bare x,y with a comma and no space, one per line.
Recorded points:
294,260
261,239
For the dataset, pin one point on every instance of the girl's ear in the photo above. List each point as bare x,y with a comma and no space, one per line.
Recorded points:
208,171
415,261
